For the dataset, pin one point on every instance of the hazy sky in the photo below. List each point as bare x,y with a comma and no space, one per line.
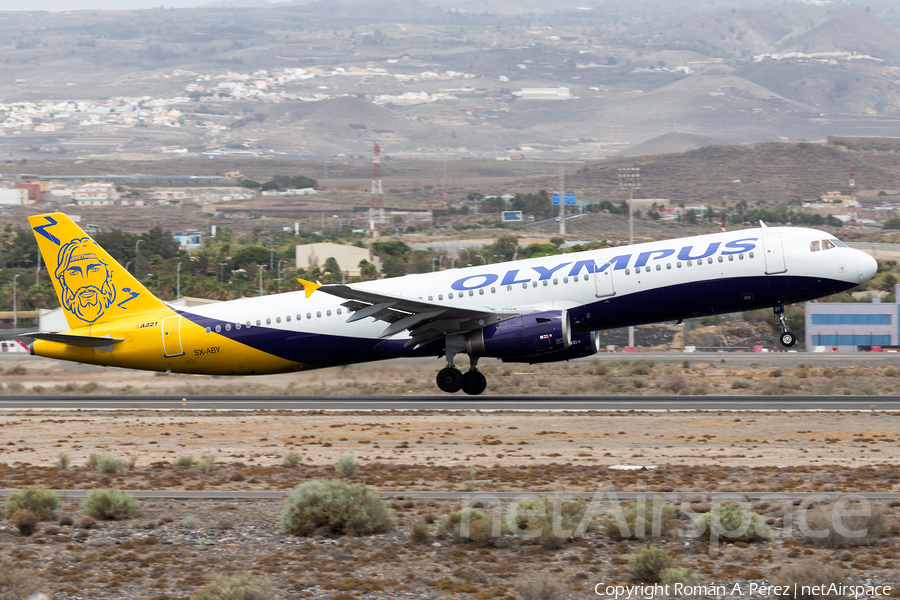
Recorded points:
64,5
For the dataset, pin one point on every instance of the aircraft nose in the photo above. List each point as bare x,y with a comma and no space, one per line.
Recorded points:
867,267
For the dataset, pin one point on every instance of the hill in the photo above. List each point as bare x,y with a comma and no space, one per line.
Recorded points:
671,142
848,29
755,173
404,11
728,32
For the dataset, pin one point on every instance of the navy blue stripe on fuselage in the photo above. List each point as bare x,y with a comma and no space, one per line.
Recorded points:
313,349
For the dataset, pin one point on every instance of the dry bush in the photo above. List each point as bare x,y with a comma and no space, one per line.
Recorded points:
242,586
25,521
17,583
639,517
420,534
105,463
291,460
538,588
43,503
86,522
811,573
346,466
339,507
823,522
183,461
649,563
66,520
537,514
725,521
206,465
472,525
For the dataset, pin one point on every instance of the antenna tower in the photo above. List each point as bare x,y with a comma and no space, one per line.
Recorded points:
376,203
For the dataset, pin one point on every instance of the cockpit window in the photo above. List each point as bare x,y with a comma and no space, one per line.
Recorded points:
826,245
839,243
814,246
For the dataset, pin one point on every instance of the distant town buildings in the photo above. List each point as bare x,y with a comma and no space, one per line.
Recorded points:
561,93
347,257
96,194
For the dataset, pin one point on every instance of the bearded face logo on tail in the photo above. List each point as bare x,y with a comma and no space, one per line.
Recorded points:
85,280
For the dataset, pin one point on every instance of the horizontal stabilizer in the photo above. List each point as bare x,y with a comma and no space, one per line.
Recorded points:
75,340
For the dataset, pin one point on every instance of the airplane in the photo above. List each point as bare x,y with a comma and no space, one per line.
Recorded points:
537,310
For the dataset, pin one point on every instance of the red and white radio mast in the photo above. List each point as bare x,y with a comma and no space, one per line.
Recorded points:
376,203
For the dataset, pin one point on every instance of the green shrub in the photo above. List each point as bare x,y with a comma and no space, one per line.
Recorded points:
472,525
190,522
335,506
43,503
537,514
17,583
291,460
346,466
110,505
104,463
207,465
729,521
242,586
639,518
184,461
674,575
25,521
649,562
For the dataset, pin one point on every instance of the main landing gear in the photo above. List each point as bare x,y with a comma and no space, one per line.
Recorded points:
451,380
787,338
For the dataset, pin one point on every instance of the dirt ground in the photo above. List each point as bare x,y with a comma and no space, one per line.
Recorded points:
175,547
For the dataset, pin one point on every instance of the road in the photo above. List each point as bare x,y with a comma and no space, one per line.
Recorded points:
454,402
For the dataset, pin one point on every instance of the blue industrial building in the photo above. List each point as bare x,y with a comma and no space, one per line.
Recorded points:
847,326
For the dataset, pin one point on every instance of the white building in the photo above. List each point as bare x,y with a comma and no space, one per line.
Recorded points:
561,93
13,196
347,257
96,194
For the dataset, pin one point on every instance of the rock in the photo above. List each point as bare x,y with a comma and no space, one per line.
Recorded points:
103,541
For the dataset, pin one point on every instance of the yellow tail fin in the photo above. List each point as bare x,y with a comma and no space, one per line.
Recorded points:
91,286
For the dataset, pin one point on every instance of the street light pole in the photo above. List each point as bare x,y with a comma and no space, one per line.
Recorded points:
15,309
136,244
484,262
178,282
260,267
630,177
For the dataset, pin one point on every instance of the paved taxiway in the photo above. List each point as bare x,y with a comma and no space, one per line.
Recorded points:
455,402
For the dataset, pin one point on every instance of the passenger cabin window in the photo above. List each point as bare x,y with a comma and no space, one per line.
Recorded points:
268,321
258,323
814,246
278,319
218,328
227,326
288,318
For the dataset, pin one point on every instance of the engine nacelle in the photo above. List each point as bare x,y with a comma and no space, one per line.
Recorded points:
528,335
583,344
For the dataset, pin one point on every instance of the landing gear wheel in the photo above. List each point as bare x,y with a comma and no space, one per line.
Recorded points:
788,339
449,380
474,382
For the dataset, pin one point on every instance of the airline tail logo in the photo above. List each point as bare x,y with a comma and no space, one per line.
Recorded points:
85,280
91,286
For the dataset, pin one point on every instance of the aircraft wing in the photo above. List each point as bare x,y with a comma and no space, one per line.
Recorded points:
426,321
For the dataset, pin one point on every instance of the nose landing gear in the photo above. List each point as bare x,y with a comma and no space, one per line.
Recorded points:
786,338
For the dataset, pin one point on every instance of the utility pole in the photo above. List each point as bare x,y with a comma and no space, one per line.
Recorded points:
178,282
630,177
136,244
562,201
260,268
37,271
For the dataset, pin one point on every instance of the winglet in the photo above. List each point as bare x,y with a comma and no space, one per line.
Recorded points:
309,287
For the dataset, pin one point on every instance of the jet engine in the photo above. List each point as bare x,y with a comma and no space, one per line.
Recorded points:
535,334
583,344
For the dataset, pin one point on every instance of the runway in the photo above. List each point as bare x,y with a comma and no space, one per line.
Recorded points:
455,402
